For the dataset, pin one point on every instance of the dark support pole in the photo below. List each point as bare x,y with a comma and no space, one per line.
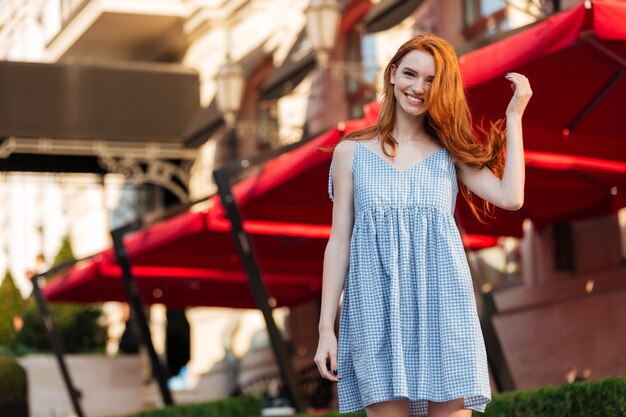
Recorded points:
57,346
134,299
257,286
495,354
597,99
231,141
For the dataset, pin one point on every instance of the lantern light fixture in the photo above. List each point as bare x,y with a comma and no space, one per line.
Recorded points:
230,80
322,26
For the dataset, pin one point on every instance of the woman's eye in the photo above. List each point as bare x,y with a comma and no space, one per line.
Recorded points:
410,74
429,82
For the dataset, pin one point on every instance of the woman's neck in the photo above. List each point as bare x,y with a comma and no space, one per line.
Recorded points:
409,128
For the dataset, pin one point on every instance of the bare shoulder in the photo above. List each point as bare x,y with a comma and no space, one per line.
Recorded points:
343,154
345,148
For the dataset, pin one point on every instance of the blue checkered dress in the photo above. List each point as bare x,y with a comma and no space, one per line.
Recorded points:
409,324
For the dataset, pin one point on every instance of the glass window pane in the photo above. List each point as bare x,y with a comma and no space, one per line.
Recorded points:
488,7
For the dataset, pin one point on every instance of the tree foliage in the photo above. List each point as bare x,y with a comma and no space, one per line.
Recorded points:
10,307
65,253
77,325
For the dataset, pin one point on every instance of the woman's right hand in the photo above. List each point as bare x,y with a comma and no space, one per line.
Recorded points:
327,350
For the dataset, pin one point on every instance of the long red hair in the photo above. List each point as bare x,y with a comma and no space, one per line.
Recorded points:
447,116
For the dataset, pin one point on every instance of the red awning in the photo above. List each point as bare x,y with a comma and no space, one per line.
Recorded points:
286,206
559,187
283,197
479,241
575,61
189,260
97,281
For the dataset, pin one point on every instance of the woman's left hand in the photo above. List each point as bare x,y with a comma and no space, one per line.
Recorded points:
521,95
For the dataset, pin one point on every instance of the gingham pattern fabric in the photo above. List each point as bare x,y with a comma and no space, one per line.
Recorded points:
409,325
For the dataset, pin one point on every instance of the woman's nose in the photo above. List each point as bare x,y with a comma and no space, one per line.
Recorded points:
418,87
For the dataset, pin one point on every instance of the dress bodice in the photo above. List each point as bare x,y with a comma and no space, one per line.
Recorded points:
431,182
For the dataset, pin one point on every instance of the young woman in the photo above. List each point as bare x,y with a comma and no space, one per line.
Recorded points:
410,342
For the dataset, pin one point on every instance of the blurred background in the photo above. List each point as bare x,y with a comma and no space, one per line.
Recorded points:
112,110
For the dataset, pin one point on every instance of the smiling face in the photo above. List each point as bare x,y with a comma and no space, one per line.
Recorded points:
412,79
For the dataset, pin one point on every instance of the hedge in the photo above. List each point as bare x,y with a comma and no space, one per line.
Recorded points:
12,380
231,407
606,397
598,398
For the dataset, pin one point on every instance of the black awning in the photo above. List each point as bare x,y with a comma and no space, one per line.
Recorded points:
62,117
204,124
209,119
389,13
129,102
299,62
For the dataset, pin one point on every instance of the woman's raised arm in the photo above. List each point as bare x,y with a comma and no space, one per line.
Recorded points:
508,192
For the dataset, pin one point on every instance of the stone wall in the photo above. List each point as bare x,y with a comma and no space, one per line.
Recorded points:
110,386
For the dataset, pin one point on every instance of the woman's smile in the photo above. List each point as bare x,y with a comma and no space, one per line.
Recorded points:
414,100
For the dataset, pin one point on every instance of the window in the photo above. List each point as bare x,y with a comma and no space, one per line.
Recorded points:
485,17
267,118
257,127
476,10
360,83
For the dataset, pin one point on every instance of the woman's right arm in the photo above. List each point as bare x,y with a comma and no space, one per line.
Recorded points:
336,256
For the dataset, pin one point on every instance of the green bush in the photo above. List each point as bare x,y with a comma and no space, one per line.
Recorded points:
12,380
606,397
601,398
232,407
76,325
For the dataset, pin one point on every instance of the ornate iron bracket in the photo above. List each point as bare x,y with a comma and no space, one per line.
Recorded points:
168,175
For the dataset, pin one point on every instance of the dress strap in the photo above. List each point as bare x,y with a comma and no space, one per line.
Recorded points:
330,182
356,151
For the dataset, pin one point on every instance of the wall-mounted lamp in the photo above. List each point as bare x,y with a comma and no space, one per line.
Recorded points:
231,81
322,26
